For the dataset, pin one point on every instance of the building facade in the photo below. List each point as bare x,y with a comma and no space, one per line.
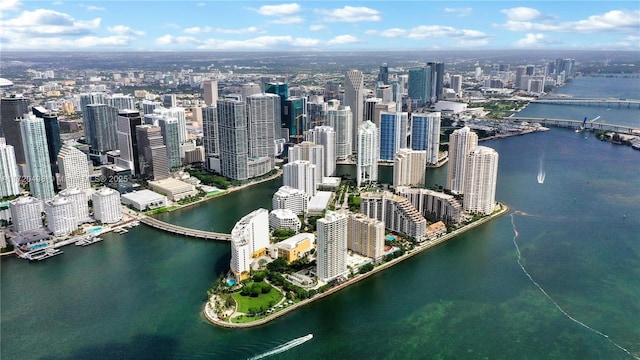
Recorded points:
233,136
301,175
425,134
290,198
37,157
366,236
331,248
106,206
9,178
249,239
325,136
396,212
461,141
409,168
481,176
354,99
61,218
367,154
26,213
393,134
73,167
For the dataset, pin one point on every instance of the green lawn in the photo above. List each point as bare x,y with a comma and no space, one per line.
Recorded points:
246,302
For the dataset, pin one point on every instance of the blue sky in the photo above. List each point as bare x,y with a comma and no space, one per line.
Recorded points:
318,25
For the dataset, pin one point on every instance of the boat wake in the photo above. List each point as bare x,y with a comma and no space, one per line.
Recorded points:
543,291
284,347
541,173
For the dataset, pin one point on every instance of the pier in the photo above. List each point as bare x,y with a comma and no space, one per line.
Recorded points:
179,230
575,124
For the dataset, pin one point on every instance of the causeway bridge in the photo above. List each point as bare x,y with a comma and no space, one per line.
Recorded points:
575,124
609,102
179,230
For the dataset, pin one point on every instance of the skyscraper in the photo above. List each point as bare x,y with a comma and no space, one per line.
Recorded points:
409,168
121,102
73,166
52,129
282,90
325,136
100,127
420,84
12,108
354,99
106,205
210,89
89,98
37,157
294,117
210,134
263,112
26,213
233,135
383,75
340,118
170,136
60,216
300,174
366,236
311,152
367,154
393,134
437,71
481,174
456,84
152,153
332,245
461,141
128,140
425,134
9,178
80,205
249,238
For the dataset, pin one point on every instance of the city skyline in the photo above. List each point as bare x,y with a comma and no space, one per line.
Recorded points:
317,26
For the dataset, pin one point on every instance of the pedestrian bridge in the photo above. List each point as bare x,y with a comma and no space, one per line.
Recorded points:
179,230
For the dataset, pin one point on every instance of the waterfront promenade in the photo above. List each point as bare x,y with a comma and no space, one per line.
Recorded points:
210,315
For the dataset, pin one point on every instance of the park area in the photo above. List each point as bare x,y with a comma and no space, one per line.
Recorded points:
259,298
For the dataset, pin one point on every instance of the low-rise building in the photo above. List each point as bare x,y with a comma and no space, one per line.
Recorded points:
293,248
174,189
290,198
319,203
284,219
144,200
436,230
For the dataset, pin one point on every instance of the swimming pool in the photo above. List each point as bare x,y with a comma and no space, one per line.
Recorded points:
231,282
92,230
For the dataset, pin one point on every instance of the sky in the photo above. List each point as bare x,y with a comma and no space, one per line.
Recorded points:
331,25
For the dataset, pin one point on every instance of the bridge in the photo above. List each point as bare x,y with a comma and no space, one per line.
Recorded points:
179,230
575,124
588,101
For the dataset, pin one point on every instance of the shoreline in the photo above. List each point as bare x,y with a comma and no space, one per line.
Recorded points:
427,245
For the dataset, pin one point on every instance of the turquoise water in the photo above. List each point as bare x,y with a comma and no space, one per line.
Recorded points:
92,230
140,295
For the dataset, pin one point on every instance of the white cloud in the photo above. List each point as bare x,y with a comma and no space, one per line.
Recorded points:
175,40
460,11
289,20
317,27
92,7
462,37
9,5
521,13
208,29
350,14
124,30
257,43
614,20
532,40
305,42
65,44
343,39
56,3
43,22
279,10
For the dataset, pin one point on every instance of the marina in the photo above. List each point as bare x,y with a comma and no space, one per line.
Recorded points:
88,241
42,254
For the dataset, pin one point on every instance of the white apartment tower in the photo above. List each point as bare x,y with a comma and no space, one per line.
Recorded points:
481,174
249,238
332,245
368,153
325,136
263,112
61,218
80,205
73,167
311,152
37,157
340,118
366,236
301,175
290,198
106,205
9,179
26,213
409,168
354,98
461,142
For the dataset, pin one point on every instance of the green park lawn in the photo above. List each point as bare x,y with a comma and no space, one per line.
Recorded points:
263,300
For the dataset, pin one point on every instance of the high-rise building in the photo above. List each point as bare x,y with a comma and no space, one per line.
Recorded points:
425,134
210,88
290,198
100,127
89,98
325,136
106,205
170,136
61,218
461,141
393,134
9,178
481,175
396,212
121,102
332,245
456,84
263,111
169,100
354,99
26,213
11,109
210,134
73,167
251,88
177,113
233,136
368,153
284,219
340,118
311,152
409,168
366,236
369,108
52,130
301,175
384,92
282,90
437,71
293,117
434,206
148,106
249,239
152,153
316,113
80,205
128,140
420,81
383,75
37,157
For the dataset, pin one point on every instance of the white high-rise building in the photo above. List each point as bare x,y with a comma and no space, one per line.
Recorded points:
409,168
178,113
9,179
249,238
325,136
368,153
263,113
481,175
233,137
26,214
461,142
301,175
290,198
121,102
34,140
80,204
210,88
397,213
366,236
61,218
456,84
332,245
354,98
73,167
311,152
106,205
425,134
341,120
